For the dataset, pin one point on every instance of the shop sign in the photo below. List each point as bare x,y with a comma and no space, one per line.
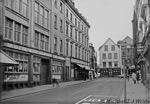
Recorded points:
16,78
56,76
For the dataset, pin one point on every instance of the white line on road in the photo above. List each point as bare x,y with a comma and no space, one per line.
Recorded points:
83,99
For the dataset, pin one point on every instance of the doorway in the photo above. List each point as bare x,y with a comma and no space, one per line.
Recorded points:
45,71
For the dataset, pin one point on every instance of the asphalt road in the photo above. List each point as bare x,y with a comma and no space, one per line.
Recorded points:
74,94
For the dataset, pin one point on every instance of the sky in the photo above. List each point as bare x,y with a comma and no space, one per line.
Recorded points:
107,18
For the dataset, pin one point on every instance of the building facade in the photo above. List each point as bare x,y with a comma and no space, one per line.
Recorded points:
110,60
141,34
93,60
126,46
35,35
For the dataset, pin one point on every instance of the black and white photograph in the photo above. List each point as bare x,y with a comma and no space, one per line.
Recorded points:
74,51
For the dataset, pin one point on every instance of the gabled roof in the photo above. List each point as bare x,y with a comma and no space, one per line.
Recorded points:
127,37
128,40
109,39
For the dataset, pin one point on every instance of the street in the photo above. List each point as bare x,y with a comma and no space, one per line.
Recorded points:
74,94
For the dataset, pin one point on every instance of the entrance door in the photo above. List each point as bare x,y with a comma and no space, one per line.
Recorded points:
44,71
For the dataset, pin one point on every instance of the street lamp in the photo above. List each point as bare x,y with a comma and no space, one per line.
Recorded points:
125,68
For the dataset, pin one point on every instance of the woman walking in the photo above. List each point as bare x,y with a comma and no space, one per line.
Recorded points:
134,77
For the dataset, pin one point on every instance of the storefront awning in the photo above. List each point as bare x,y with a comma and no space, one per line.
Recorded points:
80,65
84,66
6,60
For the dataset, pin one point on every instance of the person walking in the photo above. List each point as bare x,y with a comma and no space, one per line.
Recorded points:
57,82
137,77
53,81
134,77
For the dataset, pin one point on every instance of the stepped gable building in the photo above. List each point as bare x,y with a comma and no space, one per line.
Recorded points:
110,60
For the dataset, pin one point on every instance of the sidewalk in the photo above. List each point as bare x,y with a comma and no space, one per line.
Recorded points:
135,91
24,91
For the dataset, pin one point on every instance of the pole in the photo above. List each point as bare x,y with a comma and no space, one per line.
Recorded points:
125,91
1,43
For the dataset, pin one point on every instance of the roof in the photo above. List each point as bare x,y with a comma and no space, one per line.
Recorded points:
106,42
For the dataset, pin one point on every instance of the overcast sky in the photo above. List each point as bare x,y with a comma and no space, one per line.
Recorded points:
108,19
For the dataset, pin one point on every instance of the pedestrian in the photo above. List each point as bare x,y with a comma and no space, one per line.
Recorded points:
54,81
137,77
134,77
57,82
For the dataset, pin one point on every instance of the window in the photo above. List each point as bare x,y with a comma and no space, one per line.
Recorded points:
41,18
109,55
17,34
104,64
55,44
25,35
9,3
42,42
61,46
25,8
67,46
75,51
36,43
61,25
55,3
116,63
110,64
113,48
106,48
71,17
46,43
67,26
71,49
115,56
67,13
79,52
79,25
36,12
41,15
61,7
82,54
17,5
46,18
104,56
36,65
75,35
85,55
79,37
75,22
55,21
82,38
71,31
8,29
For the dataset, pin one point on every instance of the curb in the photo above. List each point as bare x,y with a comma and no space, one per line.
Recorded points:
7,98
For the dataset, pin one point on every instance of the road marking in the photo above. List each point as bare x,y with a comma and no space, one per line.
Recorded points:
94,99
83,99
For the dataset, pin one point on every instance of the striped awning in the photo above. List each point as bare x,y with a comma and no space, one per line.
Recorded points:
6,60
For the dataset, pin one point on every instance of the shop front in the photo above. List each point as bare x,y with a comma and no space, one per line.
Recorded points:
58,71
79,72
